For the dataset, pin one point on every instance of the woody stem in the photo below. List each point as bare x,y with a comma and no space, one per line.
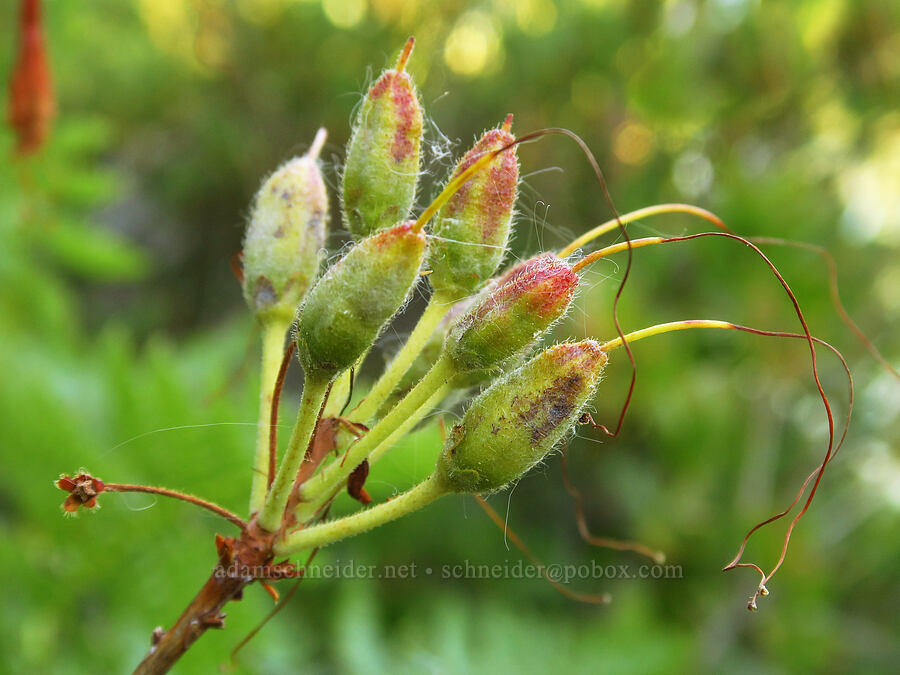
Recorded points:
205,609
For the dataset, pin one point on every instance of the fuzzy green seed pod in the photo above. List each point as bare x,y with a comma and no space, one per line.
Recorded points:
508,319
471,231
347,308
384,153
283,244
515,423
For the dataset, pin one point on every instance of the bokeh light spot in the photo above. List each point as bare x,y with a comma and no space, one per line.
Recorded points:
473,44
692,173
535,17
679,17
869,191
344,13
632,143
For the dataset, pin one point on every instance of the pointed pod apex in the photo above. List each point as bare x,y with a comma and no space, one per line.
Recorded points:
507,123
507,320
286,236
346,310
405,54
515,271
384,154
318,143
471,231
516,422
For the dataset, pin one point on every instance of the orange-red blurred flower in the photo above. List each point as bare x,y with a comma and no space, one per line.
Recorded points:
31,104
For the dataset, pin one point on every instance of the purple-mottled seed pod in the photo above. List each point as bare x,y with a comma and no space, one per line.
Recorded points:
516,422
285,238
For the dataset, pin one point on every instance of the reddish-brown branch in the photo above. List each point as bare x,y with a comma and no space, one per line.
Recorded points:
275,610
203,613
835,295
273,416
237,561
191,499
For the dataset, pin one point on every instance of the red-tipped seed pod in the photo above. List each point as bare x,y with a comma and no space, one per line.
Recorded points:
508,319
471,231
384,153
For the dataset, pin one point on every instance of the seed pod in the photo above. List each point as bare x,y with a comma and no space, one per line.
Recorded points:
384,153
515,423
347,308
507,320
471,231
282,248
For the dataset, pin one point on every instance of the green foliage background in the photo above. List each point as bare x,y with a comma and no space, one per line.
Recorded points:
121,327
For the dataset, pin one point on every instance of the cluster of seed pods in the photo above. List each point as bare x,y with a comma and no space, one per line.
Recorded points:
479,338
480,328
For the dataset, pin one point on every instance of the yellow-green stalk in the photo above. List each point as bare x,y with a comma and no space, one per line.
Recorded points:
507,430
500,325
281,256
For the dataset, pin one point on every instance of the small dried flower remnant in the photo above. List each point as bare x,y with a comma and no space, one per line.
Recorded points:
83,490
